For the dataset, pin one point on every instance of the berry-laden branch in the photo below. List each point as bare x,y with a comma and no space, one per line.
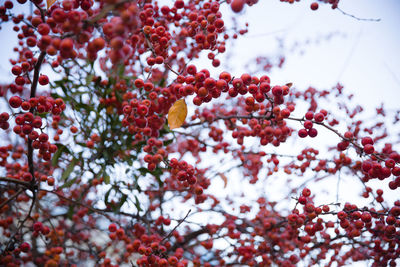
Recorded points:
101,152
33,94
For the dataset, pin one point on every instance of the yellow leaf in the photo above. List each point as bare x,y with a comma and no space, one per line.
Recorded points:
50,3
177,114
110,110
224,178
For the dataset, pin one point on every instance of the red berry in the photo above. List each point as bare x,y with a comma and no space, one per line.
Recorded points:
277,91
37,226
314,6
16,70
25,247
308,124
237,5
43,137
367,140
312,132
303,133
43,80
306,192
366,217
369,149
15,101
309,115
343,145
302,200
44,28
66,45
319,117
4,116
112,228
348,135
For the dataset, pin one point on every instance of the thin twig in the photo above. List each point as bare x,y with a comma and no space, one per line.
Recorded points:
15,181
42,12
357,18
11,198
179,223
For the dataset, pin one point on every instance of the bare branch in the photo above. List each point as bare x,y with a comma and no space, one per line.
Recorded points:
357,18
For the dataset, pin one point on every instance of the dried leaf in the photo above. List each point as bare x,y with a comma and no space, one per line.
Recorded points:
177,114
289,85
50,3
224,178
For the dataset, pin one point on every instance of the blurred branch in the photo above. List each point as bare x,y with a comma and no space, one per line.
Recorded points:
11,198
357,18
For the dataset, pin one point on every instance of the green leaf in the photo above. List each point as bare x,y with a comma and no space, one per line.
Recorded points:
107,195
55,95
168,142
121,70
60,149
137,204
61,84
69,169
84,106
121,201
162,82
89,79
70,211
106,178
68,183
143,171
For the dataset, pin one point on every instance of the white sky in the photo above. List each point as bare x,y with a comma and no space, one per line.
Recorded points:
362,55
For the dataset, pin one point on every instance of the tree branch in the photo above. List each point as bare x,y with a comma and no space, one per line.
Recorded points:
179,223
15,181
11,198
357,18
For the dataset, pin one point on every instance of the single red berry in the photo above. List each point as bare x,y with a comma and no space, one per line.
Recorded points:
277,90
314,6
179,4
348,135
343,145
4,116
312,132
15,101
237,5
309,115
16,70
302,200
37,226
112,228
369,149
43,137
319,117
44,28
43,80
306,192
308,124
25,247
303,133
